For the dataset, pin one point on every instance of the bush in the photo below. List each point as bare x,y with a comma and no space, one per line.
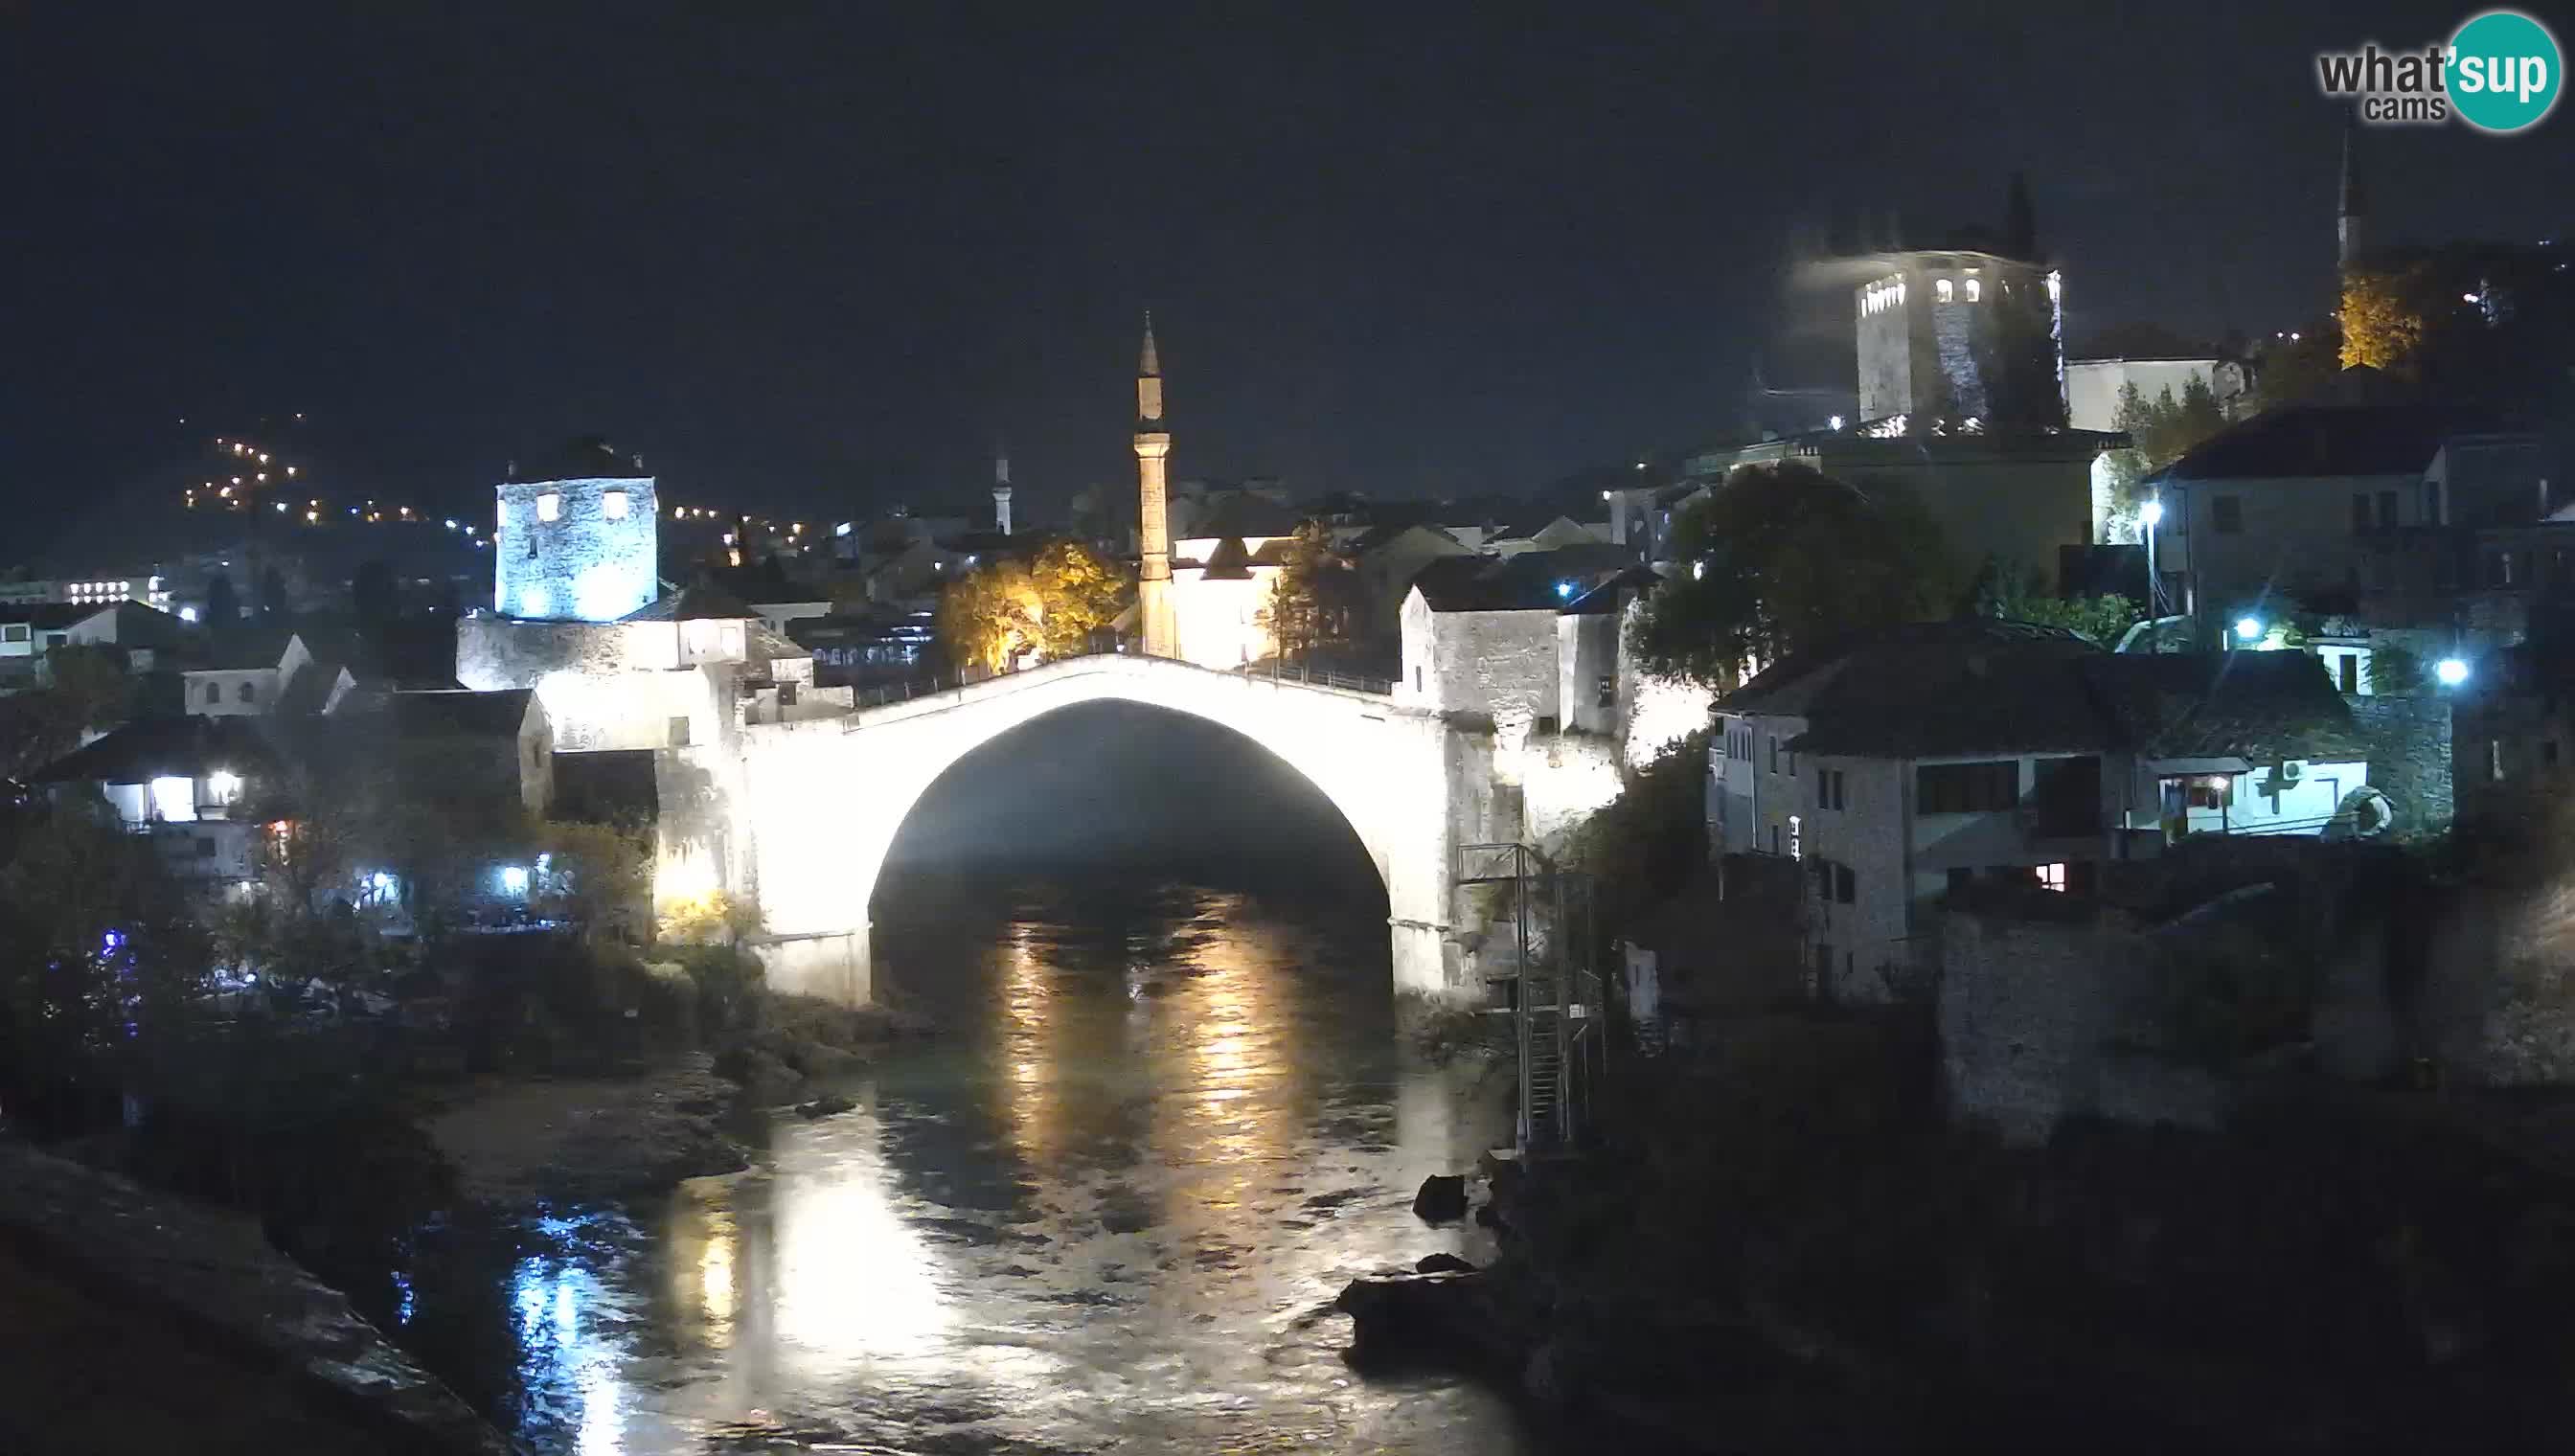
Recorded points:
727,981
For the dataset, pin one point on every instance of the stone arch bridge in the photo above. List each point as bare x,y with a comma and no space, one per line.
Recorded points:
814,804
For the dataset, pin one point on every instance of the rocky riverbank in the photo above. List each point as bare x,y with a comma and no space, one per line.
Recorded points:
519,1141
114,1291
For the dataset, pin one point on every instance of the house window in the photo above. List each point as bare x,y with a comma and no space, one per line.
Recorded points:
612,503
2387,510
2052,877
2431,503
1940,290
549,507
2548,753
1775,753
214,692
2347,670
1608,690
2207,791
1960,878
1823,967
2067,795
1775,838
678,737
246,692
205,848
1975,290
1828,789
14,631
2226,514
1951,788
1846,885
1416,680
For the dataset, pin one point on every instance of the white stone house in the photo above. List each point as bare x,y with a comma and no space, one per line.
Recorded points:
2305,503
177,781
260,673
1918,762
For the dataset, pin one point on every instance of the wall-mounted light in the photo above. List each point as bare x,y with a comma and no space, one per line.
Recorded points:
2248,628
2451,671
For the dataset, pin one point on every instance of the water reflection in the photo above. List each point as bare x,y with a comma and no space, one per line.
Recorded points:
1103,1212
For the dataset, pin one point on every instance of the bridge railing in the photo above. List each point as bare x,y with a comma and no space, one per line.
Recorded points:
1305,672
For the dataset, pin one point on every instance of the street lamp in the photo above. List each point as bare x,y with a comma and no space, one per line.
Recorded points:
2152,514
2248,628
2451,671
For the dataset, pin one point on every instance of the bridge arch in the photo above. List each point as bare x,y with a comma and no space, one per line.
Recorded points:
819,801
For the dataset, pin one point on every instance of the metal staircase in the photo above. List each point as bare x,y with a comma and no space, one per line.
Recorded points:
1547,988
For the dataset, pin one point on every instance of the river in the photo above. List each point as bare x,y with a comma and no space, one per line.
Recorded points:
1105,1210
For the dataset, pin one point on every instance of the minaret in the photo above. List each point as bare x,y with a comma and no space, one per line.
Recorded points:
1000,489
2354,209
1154,526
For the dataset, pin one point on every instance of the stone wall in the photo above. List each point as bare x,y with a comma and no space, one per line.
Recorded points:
2497,1006
2042,1020
2409,756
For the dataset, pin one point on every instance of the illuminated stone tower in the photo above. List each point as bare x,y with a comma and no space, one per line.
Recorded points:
1000,490
1154,524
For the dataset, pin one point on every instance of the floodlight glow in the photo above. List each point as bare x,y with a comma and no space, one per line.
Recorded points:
1563,589
2153,513
2451,671
2249,628
514,879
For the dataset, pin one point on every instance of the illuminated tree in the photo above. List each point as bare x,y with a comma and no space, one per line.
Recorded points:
1079,595
2380,324
1007,610
989,616
1780,559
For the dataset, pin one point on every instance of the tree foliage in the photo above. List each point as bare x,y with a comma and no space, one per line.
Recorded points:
1308,610
1007,609
2381,322
2161,431
2014,595
100,952
1778,559
84,687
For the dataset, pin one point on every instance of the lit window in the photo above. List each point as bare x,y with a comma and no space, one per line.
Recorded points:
1941,291
613,504
549,507
1975,292
174,799
2051,876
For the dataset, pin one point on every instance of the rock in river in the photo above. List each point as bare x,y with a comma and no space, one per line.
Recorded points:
1442,1264
1441,1199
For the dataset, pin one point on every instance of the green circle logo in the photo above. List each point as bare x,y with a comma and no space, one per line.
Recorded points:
2504,71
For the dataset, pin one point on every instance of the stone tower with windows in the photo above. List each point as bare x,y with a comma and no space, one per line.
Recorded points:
1964,337
577,539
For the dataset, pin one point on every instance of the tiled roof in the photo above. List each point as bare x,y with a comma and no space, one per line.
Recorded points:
2330,440
458,713
156,747
1937,689
1533,580
693,603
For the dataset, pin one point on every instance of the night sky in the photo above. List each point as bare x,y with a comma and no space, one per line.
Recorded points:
811,257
